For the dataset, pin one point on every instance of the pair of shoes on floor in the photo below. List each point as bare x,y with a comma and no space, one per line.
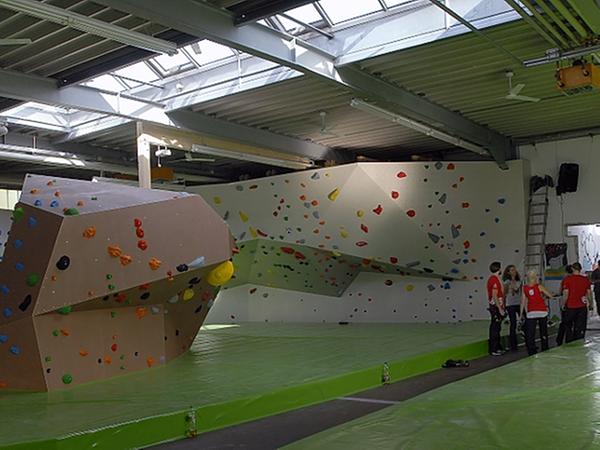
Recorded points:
455,363
498,353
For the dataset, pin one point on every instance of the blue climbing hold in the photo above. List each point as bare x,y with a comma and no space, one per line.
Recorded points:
18,243
7,312
19,266
3,338
37,203
4,289
15,350
53,203
32,222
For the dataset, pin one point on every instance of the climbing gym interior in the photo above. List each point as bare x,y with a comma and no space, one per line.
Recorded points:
273,224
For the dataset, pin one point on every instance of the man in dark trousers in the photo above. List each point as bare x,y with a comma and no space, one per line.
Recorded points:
577,298
596,282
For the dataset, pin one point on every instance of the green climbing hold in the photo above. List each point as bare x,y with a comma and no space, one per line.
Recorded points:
67,378
108,276
94,198
113,314
48,358
71,212
64,310
55,332
111,287
32,279
18,213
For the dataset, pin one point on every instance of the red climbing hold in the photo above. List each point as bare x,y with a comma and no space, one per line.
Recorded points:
401,174
466,244
137,223
299,256
114,347
139,232
395,195
142,245
393,259
364,227
361,243
451,166
288,250
378,210
411,213
465,204
261,233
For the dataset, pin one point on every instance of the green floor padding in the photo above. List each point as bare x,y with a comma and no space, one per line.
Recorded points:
231,374
551,400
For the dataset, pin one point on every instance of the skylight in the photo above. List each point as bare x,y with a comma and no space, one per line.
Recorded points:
172,64
343,10
392,3
133,75
206,52
106,82
307,14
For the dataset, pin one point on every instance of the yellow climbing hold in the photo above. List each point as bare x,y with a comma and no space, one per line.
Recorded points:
360,213
188,294
343,233
336,254
333,195
243,216
217,200
220,274
409,287
253,232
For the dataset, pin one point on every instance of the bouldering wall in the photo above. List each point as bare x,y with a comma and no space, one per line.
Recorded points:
370,242
98,280
5,223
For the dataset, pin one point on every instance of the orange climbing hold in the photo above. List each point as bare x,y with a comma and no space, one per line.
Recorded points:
150,361
89,232
83,353
114,251
107,360
64,332
57,194
80,203
34,191
125,260
154,263
141,312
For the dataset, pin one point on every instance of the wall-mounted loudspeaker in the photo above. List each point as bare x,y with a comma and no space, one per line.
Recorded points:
568,177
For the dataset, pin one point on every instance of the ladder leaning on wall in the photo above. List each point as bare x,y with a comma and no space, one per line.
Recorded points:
537,221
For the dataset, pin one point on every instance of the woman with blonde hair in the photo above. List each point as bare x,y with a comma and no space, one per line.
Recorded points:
533,304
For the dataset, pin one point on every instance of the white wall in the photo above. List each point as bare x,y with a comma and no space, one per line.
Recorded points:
581,207
482,204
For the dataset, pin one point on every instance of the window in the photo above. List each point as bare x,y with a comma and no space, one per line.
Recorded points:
106,82
392,3
342,10
137,72
206,52
168,64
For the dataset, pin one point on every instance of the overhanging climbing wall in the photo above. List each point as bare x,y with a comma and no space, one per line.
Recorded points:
98,280
370,242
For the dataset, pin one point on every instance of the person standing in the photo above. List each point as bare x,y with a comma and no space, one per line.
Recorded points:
512,293
496,308
596,282
562,329
577,298
534,306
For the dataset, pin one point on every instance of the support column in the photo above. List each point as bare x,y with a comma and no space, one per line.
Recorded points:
143,158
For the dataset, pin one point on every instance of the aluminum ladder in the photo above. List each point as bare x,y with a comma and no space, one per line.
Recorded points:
537,221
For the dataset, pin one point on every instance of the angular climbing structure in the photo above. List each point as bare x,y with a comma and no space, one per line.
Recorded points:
98,280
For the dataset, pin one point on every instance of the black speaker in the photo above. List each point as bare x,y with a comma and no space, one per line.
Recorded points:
568,177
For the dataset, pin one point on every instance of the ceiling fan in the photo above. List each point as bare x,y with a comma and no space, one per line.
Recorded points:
9,41
514,92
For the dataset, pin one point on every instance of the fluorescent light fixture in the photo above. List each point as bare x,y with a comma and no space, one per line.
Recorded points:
16,41
89,25
417,126
295,162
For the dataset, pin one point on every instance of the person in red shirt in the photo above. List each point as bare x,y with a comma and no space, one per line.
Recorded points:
495,293
562,330
577,298
533,305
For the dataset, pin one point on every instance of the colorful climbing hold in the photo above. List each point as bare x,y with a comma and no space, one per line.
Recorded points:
71,212
220,274
244,218
142,245
32,279
65,310
18,214
187,295
89,232
401,174
378,210
114,251
395,195
137,223
154,263
333,195
411,213
139,232
125,260
67,378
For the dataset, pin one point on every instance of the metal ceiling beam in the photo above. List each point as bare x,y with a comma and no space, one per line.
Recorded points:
199,19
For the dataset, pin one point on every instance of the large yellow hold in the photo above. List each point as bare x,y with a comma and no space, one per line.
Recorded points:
220,274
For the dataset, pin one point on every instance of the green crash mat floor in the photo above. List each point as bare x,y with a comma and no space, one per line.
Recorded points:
551,400
226,363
